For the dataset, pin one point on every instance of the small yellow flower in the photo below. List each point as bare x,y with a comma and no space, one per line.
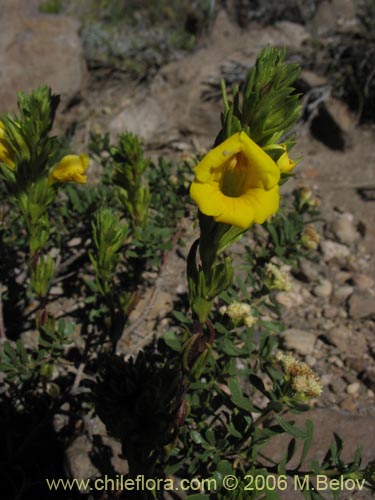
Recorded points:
71,168
6,153
237,183
285,164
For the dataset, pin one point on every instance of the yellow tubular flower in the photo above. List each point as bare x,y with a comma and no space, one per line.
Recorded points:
284,162
237,183
71,168
6,153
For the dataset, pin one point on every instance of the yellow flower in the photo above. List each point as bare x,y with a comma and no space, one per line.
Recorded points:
237,183
6,153
71,168
284,162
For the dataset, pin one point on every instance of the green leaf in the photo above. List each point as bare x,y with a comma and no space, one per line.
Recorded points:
172,340
291,428
238,398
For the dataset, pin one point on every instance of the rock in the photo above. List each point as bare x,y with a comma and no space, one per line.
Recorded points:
341,293
330,311
289,299
355,431
299,341
353,388
342,277
38,49
324,289
332,250
309,271
348,404
78,461
332,14
331,123
338,385
363,281
361,305
345,230
368,377
346,341
307,80
74,242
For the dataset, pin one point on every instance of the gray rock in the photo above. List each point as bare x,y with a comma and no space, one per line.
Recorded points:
353,429
309,270
78,462
345,230
346,340
38,49
353,388
341,293
363,281
324,289
361,305
333,250
299,341
289,299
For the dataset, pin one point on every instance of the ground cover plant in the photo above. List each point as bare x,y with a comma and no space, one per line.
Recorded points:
202,401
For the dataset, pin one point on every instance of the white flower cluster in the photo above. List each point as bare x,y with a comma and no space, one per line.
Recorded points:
239,312
302,379
276,279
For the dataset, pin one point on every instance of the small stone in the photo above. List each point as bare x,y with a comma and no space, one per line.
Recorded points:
368,377
361,305
339,337
338,385
335,360
345,229
341,277
310,360
299,341
348,404
309,271
330,311
363,281
355,363
30,339
353,388
324,289
75,242
56,290
341,293
289,299
333,250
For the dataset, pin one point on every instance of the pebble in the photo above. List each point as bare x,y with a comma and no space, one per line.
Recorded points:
341,277
289,299
345,230
75,242
324,289
341,293
338,385
362,281
335,360
56,290
339,337
353,388
310,360
299,341
330,311
333,250
309,270
348,404
361,305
